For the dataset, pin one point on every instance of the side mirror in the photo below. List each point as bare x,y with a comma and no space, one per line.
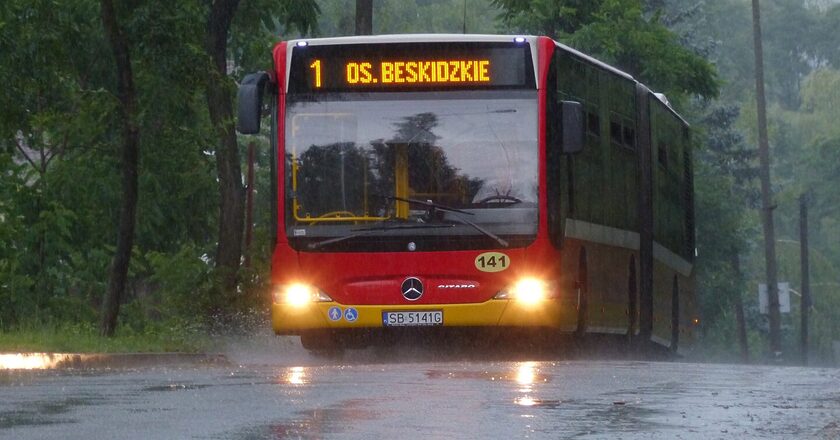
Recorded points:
250,102
571,113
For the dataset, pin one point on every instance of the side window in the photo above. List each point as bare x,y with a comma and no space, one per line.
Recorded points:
622,132
615,131
629,137
578,81
621,100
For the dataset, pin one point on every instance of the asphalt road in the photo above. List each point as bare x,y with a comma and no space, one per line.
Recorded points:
273,389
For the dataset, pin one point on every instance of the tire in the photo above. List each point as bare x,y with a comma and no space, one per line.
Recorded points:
632,301
320,342
582,284
675,315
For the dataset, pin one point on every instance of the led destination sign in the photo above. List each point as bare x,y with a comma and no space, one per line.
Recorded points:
410,72
410,66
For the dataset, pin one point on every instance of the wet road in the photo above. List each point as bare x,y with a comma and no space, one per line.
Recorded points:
285,393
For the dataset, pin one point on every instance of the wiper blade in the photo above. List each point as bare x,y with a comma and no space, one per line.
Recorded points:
428,204
455,211
478,228
369,230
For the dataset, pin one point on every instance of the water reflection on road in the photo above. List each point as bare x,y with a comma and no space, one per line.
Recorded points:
408,394
34,361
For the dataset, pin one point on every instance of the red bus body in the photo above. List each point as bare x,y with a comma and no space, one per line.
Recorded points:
372,283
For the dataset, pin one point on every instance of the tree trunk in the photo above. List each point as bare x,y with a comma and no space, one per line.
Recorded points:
805,306
766,191
220,107
739,310
249,205
131,137
364,17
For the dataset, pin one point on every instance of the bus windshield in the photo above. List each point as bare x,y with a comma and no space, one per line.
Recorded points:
357,162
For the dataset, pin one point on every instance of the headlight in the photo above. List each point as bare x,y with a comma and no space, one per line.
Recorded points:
299,294
526,290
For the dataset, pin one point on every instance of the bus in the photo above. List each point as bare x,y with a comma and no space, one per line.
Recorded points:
472,181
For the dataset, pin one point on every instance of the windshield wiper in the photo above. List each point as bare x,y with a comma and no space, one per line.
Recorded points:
454,211
478,228
428,204
369,230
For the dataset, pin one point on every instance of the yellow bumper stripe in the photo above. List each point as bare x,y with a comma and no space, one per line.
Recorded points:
288,319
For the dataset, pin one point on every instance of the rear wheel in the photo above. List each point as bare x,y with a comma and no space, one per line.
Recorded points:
675,315
632,300
582,285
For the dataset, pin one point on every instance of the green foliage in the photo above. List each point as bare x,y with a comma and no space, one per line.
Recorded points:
83,337
421,16
259,24
618,32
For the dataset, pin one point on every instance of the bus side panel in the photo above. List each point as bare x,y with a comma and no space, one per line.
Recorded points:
663,322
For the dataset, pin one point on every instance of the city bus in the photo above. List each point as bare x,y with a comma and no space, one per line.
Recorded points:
472,181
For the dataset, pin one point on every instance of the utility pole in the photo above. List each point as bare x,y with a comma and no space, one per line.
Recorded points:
767,205
364,17
805,305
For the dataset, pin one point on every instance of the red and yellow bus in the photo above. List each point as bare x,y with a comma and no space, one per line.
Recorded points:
472,181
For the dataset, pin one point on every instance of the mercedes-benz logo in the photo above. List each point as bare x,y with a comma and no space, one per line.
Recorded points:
412,289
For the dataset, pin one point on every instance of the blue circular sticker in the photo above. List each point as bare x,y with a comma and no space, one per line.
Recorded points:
334,313
351,314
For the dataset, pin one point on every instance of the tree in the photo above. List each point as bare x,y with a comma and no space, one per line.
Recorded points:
46,113
220,108
724,176
618,32
364,17
131,138
300,14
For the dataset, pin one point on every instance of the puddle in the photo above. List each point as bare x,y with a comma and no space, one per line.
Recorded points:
317,423
45,412
523,373
177,387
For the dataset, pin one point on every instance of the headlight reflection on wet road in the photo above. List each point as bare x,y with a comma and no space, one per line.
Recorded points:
32,361
295,376
527,376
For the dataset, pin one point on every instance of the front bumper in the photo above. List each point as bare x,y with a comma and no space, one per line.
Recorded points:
289,320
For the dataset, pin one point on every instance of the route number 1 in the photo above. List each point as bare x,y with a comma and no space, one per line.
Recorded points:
316,68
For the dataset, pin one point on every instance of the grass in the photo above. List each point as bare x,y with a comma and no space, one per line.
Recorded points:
86,339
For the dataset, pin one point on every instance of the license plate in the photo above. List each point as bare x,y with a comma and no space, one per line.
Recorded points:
410,319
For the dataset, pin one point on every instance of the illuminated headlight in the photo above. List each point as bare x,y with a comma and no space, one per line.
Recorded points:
526,290
299,294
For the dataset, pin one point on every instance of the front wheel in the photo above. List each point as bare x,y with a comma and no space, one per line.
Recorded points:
320,341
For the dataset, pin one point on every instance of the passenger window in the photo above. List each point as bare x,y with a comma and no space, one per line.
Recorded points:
630,138
615,132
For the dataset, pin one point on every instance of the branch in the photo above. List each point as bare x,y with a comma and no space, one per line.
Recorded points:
58,150
23,152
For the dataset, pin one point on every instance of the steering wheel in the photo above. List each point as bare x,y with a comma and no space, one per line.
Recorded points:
500,198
